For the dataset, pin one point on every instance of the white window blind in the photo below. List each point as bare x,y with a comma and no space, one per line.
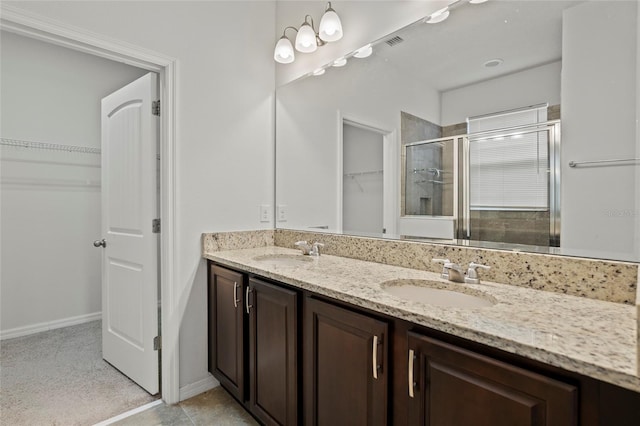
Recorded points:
509,172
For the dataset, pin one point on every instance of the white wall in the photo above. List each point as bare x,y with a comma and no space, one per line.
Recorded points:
362,22
637,196
307,122
224,147
50,216
600,200
529,87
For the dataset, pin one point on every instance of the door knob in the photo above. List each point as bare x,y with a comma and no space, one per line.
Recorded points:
100,243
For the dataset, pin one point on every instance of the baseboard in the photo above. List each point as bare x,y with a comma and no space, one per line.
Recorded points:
49,325
129,413
198,387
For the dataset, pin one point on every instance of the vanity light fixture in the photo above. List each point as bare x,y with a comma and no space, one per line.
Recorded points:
442,14
438,16
307,39
318,72
340,62
284,53
363,52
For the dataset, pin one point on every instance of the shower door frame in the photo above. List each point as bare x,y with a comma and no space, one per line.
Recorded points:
554,140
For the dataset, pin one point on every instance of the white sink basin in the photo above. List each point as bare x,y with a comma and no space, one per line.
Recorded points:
438,293
291,260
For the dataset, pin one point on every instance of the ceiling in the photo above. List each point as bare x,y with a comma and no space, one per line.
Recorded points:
524,34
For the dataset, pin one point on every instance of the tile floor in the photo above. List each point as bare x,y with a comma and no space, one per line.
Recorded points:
214,407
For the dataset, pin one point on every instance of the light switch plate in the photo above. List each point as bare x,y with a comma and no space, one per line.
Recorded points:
265,213
282,213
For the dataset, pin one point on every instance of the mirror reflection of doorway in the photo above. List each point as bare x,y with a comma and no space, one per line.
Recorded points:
362,183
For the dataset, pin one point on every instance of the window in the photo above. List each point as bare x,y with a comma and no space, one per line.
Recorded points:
508,170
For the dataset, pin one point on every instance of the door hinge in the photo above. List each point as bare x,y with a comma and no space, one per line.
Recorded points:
155,226
157,343
155,108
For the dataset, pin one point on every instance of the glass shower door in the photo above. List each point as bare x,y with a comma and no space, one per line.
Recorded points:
511,186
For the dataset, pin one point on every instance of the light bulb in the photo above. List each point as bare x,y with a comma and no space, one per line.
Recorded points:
306,39
330,26
284,53
340,62
438,16
363,52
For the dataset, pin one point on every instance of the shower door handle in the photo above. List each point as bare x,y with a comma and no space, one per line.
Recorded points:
100,243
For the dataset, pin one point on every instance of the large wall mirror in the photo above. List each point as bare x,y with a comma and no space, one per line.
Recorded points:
511,124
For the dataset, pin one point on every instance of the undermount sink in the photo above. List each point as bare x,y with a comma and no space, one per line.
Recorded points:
283,259
438,293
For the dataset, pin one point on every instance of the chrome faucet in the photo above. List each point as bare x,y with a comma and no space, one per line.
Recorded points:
309,249
454,272
445,272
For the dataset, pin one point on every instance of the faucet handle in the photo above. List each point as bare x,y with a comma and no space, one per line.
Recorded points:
472,273
445,271
304,246
315,248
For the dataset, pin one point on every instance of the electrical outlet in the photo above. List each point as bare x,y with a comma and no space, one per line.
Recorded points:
282,213
265,213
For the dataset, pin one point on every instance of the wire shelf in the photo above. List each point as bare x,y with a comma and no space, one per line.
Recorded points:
49,146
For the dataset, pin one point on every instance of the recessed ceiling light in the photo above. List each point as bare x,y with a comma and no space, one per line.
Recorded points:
340,62
319,71
477,1
493,63
363,52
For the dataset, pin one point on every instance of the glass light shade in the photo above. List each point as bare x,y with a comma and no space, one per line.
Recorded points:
284,52
438,16
363,52
330,26
340,62
306,39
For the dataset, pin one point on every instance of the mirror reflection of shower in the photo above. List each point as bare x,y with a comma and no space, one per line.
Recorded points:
429,179
498,182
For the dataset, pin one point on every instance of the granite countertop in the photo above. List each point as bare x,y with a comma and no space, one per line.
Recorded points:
594,338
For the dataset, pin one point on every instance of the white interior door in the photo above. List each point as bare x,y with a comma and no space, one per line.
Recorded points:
130,248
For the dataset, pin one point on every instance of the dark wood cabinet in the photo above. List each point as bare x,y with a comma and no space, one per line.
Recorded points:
448,385
226,329
345,372
253,344
294,357
273,353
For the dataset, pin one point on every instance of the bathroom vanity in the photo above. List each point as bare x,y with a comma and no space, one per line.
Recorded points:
318,340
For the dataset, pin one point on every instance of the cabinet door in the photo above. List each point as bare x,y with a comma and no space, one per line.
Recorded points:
226,329
273,352
448,385
345,366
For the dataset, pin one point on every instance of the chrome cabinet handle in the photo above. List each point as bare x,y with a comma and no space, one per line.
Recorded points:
235,295
411,383
374,357
246,301
100,243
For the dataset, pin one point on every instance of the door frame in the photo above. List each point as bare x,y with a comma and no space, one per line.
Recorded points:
390,161
27,24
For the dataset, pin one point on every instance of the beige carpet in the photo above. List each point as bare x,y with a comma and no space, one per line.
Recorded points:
59,378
